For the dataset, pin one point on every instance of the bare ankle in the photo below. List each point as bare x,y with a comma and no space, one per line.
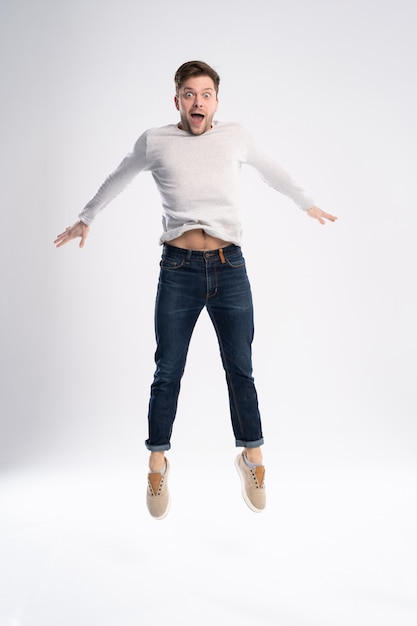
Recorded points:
254,455
156,461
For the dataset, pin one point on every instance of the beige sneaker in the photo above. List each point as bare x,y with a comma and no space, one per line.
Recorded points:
253,484
157,497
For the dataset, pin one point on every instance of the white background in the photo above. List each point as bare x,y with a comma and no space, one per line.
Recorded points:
329,88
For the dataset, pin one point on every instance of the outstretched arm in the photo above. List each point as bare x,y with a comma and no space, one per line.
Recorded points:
79,229
320,215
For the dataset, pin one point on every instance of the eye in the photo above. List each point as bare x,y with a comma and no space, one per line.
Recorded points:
207,95
188,94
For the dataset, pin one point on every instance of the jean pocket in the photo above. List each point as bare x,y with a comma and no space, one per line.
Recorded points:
170,263
235,259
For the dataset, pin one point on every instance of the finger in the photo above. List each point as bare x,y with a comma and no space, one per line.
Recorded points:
330,217
62,239
65,232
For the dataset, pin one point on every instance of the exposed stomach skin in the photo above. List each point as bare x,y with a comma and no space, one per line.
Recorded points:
198,239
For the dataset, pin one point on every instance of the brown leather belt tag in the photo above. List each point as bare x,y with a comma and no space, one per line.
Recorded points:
221,256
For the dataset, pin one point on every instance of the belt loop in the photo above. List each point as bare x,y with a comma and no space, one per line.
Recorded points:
221,256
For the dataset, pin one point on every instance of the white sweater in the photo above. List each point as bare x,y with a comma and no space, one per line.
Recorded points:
197,177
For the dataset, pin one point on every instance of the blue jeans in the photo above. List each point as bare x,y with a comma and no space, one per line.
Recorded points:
188,282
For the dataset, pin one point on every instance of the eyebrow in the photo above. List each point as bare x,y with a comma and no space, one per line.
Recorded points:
185,88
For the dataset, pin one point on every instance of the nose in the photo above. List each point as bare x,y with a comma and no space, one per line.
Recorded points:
197,102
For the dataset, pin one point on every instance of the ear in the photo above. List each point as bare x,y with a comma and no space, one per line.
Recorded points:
177,106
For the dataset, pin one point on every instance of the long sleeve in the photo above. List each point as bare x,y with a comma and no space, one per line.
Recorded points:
276,176
117,181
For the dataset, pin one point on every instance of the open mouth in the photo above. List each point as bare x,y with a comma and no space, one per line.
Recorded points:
197,117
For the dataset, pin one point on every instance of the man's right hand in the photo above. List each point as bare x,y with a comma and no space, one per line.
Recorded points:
79,229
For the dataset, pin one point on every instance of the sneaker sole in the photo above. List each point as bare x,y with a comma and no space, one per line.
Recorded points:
243,488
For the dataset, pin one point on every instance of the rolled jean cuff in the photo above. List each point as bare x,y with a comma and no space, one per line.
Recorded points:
249,444
162,448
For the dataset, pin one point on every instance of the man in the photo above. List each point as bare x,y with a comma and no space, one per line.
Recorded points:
196,165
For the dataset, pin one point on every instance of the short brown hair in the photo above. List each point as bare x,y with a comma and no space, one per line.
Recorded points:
195,68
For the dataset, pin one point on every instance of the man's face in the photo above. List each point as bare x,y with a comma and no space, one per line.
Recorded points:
197,103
